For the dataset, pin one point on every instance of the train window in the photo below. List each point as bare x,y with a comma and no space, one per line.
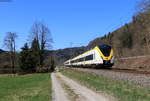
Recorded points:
89,57
74,61
81,59
105,49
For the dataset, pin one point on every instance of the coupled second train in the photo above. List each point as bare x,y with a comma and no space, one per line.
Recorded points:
100,56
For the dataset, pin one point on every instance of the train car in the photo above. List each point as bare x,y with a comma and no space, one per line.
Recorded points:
101,55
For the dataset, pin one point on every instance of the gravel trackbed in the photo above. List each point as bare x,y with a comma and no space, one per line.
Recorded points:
139,79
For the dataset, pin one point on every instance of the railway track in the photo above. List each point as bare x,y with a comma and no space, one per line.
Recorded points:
133,71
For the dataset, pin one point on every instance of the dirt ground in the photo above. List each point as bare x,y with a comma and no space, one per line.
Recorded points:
79,92
58,92
140,64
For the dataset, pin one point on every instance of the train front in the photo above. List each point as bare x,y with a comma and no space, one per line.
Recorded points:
107,54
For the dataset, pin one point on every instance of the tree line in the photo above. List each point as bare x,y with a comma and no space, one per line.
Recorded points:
32,56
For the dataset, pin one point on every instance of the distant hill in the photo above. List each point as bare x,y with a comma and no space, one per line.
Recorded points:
1,51
62,55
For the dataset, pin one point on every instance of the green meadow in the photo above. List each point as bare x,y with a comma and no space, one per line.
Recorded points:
34,87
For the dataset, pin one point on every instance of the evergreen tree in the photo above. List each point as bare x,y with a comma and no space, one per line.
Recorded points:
41,36
35,52
27,63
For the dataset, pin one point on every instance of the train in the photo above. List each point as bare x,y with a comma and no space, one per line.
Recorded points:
100,56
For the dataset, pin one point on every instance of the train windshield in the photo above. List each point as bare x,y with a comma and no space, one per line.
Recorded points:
105,49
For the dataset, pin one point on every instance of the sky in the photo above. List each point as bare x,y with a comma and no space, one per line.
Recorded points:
72,23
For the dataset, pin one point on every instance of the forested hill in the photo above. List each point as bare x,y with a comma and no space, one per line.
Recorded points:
62,55
132,38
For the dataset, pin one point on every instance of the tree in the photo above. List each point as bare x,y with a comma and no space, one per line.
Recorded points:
109,38
27,63
143,20
126,38
10,43
52,62
49,63
143,6
35,52
41,33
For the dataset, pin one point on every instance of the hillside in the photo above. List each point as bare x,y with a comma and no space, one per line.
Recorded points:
1,51
130,40
62,55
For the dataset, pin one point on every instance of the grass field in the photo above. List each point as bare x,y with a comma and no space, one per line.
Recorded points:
36,87
121,90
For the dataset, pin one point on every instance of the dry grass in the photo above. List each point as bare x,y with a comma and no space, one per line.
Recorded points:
121,90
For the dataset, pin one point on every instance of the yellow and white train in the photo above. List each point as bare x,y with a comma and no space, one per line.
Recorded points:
101,55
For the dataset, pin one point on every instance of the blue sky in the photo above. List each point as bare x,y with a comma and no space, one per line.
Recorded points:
72,22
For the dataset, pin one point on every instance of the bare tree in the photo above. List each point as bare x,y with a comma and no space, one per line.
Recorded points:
143,6
42,34
143,20
10,44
